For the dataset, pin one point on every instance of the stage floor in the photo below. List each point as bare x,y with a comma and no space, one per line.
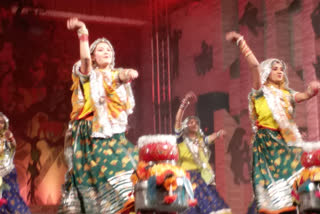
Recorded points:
49,209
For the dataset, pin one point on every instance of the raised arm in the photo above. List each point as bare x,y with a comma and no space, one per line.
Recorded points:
249,56
311,91
75,24
184,104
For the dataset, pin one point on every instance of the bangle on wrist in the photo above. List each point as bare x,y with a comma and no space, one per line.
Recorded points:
239,39
82,31
83,37
248,53
120,81
184,100
309,91
124,73
244,49
184,105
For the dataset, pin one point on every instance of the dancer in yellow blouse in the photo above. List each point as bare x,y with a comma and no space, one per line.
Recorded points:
102,159
276,161
194,157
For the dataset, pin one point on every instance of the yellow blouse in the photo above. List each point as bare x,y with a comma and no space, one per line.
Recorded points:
264,114
186,159
111,104
88,106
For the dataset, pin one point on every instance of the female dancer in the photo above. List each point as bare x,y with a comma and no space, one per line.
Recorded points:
276,162
194,157
9,188
102,158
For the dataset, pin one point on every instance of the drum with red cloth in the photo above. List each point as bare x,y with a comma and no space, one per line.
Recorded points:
160,185
157,148
306,188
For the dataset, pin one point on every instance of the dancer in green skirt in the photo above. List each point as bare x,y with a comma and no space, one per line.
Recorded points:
100,158
276,160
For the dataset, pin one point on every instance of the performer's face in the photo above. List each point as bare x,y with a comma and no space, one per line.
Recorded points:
103,54
193,125
277,73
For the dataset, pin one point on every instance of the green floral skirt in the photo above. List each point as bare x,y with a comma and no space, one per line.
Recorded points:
99,180
275,166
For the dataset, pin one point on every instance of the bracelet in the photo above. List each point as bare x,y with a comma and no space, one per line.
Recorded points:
239,39
120,81
184,104
83,37
82,31
243,46
312,92
218,134
125,75
309,91
248,53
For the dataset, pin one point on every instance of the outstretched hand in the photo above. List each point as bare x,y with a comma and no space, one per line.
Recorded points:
132,74
313,88
221,133
127,75
216,135
233,36
190,96
187,99
75,24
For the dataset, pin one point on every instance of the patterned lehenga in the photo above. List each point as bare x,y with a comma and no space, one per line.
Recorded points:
276,161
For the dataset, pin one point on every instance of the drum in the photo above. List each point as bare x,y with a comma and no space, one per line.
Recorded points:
159,184
310,158
309,197
148,197
307,185
158,148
